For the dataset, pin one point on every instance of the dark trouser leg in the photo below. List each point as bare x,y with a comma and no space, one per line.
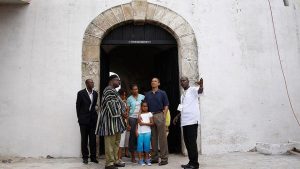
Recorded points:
92,142
84,141
190,140
132,136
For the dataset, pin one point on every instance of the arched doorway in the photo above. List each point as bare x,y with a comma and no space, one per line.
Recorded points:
139,12
137,53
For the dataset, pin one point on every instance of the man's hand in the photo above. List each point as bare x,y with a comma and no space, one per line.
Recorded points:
164,115
128,128
200,83
176,119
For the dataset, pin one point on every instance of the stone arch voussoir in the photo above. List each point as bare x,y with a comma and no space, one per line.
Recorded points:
139,11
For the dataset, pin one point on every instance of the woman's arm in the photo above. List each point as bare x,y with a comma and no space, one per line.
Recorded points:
136,131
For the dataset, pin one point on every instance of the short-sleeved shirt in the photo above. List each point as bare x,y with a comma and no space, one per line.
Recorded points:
190,113
134,105
145,118
156,101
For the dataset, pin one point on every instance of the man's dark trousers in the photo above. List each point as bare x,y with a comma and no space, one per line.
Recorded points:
88,135
190,139
87,119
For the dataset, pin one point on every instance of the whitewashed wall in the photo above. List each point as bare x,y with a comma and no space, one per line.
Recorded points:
244,102
40,58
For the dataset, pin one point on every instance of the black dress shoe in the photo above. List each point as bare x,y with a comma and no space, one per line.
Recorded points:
191,167
85,161
185,165
94,160
154,161
163,163
111,167
119,164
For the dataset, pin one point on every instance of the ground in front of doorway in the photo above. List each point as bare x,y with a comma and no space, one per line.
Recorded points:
250,160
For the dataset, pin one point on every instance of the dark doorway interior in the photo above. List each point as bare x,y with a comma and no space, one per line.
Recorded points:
137,53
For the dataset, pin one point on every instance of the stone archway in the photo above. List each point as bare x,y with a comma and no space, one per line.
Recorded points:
139,11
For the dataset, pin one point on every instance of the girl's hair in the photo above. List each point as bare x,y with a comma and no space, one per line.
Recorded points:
133,85
122,91
143,101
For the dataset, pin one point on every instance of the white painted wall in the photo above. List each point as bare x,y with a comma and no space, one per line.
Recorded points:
40,58
244,102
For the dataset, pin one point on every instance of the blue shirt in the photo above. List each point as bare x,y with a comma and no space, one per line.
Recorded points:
131,103
156,101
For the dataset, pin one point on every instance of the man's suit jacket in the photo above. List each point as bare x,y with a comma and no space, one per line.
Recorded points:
83,102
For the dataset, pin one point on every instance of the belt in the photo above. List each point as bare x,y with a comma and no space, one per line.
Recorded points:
157,112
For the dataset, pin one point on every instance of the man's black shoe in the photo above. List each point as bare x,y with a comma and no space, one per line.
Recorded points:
190,167
120,164
94,160
154,161
111,167
163,163
185,165
85,161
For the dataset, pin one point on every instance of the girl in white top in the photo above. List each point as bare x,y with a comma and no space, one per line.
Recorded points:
145,121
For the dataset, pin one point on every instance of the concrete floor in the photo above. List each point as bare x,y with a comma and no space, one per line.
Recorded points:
251,160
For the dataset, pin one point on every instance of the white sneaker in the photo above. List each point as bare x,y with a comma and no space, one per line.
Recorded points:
148,162
142,163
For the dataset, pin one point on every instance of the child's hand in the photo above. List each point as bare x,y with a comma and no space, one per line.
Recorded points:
139,119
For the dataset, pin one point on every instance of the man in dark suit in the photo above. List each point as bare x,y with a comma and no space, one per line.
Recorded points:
87,119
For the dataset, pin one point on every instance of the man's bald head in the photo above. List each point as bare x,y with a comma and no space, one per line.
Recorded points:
184,78
184,82
89,84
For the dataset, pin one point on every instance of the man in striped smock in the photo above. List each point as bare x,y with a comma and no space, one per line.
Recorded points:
111,122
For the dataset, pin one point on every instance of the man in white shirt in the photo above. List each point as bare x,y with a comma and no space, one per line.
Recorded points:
190,118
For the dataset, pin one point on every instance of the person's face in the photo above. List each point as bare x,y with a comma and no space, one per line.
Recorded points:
135,90
116,82
89,84
184,82
155,83
144,107
123,96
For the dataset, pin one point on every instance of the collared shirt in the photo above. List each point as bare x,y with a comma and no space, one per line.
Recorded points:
157,100
91,97
134,104
190,113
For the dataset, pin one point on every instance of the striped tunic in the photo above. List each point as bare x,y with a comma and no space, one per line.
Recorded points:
110,120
